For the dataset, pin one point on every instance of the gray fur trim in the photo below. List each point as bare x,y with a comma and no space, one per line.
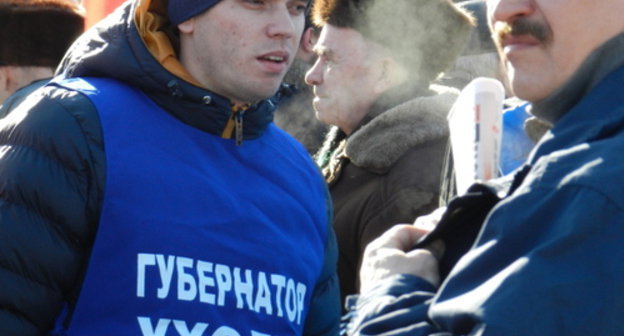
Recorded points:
378,144
535,128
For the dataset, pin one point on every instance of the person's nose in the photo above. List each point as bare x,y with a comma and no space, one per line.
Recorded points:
314,76
509,10
282,23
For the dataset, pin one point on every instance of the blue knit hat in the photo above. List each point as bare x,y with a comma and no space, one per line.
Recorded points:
182,10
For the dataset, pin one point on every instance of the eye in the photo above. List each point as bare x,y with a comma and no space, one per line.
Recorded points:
298,7
255,3
324,60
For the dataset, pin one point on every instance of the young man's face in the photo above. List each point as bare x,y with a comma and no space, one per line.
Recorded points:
342,78
552,39
241,49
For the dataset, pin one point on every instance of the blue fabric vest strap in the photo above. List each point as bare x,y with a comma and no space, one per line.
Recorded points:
198,236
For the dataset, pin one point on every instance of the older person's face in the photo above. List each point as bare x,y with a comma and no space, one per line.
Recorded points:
343,78
545,41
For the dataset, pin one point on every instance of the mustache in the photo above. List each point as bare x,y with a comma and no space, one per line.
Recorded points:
522,26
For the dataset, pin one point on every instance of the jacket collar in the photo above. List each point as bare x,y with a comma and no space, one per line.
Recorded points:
386,135
596,67
595,107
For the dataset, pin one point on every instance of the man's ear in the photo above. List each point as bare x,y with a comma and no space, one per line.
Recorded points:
308,39
6,78
7,82
390,74
306,46
187,26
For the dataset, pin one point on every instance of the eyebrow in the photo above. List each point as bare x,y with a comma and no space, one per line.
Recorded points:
307,4
322,51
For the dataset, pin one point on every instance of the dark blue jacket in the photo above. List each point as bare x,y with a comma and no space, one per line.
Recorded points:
549,259
53,167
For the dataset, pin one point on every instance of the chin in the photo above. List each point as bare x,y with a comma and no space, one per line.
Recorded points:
263,93
529,88
322,117
273,87
531,94
318,110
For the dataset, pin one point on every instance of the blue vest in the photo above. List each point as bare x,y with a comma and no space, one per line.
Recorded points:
198,236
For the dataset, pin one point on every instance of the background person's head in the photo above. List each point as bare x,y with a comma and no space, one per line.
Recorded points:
305,57
34,36
239,49
544,42
368,47
480,57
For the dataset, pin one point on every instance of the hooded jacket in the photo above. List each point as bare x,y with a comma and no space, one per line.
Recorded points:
386,172
549,258
53,168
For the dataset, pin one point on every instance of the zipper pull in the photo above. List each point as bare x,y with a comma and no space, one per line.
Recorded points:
238,121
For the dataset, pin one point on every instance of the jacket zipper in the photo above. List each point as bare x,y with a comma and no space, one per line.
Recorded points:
234,126
238,120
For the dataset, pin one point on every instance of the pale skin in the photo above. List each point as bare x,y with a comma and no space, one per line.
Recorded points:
346,57
536,68
14,77
392,254
306,52
241,49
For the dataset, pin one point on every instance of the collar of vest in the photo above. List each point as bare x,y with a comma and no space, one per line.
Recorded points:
213,113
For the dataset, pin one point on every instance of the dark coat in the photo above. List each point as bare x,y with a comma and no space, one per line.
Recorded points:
18,96
386,172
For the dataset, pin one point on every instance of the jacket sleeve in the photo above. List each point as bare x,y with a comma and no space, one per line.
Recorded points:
548,263
396,307
324,313
51,170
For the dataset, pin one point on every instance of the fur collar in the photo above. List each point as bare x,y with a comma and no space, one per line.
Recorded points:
388,135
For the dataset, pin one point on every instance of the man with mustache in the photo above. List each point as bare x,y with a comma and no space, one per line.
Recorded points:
548,259
146,191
